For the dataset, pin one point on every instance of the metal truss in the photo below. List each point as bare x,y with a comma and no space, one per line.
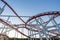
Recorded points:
43,25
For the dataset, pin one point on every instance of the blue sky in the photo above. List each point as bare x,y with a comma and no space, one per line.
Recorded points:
33,7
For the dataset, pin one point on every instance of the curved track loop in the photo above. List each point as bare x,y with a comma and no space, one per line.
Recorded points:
11,26
14,12
43,14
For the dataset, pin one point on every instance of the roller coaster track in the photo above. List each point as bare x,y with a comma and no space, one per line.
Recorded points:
26,23
15,14
13,10
43,14
11,26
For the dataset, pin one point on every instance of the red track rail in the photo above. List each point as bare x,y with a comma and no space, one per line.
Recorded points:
11,26
43,14
15,14
39,15
13,10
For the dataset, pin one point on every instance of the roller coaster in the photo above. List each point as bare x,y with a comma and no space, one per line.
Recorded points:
43,25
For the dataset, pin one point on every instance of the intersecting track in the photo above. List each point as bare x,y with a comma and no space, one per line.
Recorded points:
15,14
54,14
37,24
